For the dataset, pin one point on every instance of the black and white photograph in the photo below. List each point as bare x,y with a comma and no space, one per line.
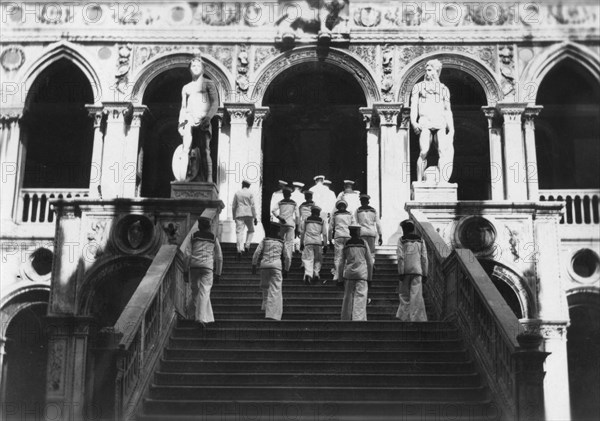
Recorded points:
299,210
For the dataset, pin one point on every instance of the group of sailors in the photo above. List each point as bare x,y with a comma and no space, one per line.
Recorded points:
346,222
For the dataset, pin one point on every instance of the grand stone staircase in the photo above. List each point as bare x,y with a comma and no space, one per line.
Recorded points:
311,365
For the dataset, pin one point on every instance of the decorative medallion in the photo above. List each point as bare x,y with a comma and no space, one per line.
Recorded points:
367,17
477,234
12,59
134,234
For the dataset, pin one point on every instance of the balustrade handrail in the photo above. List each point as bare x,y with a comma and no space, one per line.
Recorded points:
144,326
461,290
568,192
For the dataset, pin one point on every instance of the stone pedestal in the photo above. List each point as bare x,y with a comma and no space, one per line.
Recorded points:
195,190
424,191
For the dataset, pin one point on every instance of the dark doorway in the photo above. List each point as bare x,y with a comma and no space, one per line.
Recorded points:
583,350
471,139
25,365
314,127
568,129
503,287
57,131
159,136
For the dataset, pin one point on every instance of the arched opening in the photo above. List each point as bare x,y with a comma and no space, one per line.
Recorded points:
24,368
498,276
314,127
57,131
159,136
471,144
583,352
567,133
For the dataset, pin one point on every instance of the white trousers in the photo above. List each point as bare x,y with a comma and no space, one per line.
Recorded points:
312,259
272,296
354,306
240,224
338,250
412,305
201,283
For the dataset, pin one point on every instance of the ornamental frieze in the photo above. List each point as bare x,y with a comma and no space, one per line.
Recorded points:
146,52
485,53
361,14
262,54
367,53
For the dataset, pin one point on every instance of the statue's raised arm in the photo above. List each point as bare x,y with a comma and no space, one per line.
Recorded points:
199,103
431,119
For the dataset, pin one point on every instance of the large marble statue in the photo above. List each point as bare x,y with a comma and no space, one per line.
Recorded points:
431,119
199,102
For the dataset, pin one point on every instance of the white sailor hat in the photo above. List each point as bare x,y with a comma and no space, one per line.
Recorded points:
355,228
283,183
365,196
341,201
298,184
327,182
348,182
316,177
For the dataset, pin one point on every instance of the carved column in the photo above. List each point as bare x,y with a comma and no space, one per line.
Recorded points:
553,310
371,120
237,166
496,159
11,162
2,371
529,115
97,113
132,142
395,187
222,166
116,169
254,170
66,371
515,165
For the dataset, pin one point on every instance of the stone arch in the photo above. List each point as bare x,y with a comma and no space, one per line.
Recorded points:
516,283
20,297
213,69
478,70
55,52
103,271
342,59
537,68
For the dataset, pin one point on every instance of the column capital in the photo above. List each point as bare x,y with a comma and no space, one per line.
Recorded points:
116,110
493,117
530,113
10,114
135,113
239,112
548,329
405,118
511,111
388,112
258,116
370,117
96,112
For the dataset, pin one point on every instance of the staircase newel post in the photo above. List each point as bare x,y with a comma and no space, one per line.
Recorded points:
529,377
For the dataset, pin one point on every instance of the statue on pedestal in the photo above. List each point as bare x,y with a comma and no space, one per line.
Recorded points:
431,119
199,102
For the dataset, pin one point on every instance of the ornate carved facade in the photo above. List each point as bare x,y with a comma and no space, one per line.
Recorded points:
347,92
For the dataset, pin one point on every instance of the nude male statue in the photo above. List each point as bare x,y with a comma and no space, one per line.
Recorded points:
199,102
431,118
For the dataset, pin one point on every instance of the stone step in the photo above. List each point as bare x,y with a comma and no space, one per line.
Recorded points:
358,355
328,379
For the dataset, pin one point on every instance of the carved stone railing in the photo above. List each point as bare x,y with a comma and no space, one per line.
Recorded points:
581,206
34,204
144,327
460,290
